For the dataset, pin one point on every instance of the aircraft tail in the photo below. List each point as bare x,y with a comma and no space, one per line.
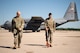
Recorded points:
71,13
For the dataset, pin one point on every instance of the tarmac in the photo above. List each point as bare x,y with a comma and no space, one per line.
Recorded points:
34,42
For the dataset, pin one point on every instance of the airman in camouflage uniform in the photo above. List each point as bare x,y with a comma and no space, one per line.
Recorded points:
49,29
17,29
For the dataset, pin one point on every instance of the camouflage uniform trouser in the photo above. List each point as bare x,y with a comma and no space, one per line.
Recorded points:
17,37
49,35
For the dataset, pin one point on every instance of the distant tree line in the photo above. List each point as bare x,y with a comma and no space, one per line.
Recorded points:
73,29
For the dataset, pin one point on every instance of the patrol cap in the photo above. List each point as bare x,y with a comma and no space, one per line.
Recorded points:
50,14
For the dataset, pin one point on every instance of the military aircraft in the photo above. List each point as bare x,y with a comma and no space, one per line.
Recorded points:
36,23
70,16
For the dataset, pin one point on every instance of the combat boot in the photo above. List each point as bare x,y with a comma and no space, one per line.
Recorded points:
18,46
50,45
47,44
14,47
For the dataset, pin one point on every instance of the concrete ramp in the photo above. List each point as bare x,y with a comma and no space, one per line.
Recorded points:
2,30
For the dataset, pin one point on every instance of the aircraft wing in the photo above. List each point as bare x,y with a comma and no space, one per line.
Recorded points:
34,23
60,22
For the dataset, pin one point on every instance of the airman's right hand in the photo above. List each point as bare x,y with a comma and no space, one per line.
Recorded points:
46,29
